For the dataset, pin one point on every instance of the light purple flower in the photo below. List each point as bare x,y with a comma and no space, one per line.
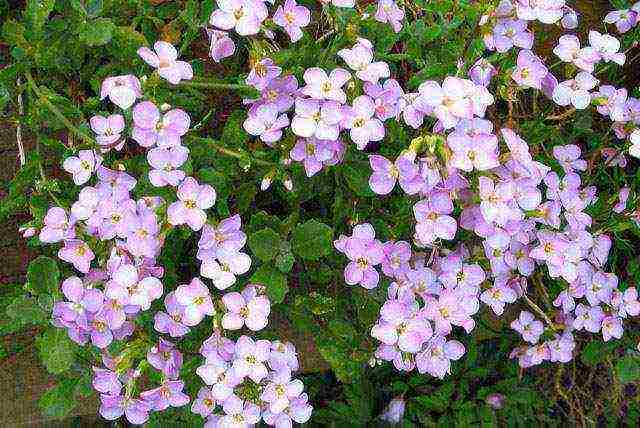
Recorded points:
166,358
121,90
114,406
529,328
433,221
364,254
165,60
385,175
78,253
226,237
450,102
545,11
106,381
262,73
128,288
608,47
624,19
245,16
363,125
238,413
389,12
248,308
204,403
481,72
436,358
57,226
171,321
221,45
280,390
165,162
169,394
223,269
575,91
150,128
196,300
251,357
360,59
611,328
292,17
316,118
193,199
313,153
530,70
265,122
497,297
108,130
479,152
386,98
394,412
321,86
510,33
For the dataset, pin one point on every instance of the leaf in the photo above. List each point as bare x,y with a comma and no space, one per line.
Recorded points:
56,350
311,240
59,400
628,369
43,276
36,14
274,281
265,244
284,262
97,32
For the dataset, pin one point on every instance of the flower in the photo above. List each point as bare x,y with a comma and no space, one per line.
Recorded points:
221,45
121,90
316,118
450,102
364,253
436,358
129,288
394,412
292,17
385,175
575,91
529,71
359,58
510,33
223,270
528,327
57,226
171,321
251,357
193,199
245,16
108,130
313,153
113,406
169,394
78,253
196,300
151,129
266,123
280,391
165,162
248,308
479,152
498,296
608,47
360,120
624,19
239,413
432,218
388,11
166,358
165,60
322,87
481,72
262,73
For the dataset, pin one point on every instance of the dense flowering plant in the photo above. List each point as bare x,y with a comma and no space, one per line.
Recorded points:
452,216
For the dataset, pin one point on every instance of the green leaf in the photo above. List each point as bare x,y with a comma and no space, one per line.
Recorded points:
36,14
628,369
97,32
274,281
265,244
357,180
59,400
43,276
56,350
284,262
311,240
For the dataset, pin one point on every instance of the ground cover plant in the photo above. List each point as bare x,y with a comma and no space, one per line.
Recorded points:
329,212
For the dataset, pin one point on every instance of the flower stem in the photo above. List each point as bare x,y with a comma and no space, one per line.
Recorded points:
212,84
56,112
230,152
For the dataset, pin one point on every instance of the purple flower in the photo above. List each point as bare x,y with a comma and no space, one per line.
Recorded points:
280,390
251,357
165,162
360,120
113,406
569,158
248,308
545,11
495,401
398,325
56,226
396,257
193,199
528,327
386,98
204,403
389,12
623,196
575,91
589,318
498,296
226,237
322,87
495,201
561,348
479,152
245,16
108,130
265,122
607,46
611,328
316,118
121,90
386,174
283,356
81,301
239,413
196,300
106,381
529,71
482,72
624,19
129,288
223,269
166,358
169,394
450,102
313,153
510,33
432,218
568,50
151,129
292,17
262,73
394,412
436,358
171,321
279,91
364,254
78,253
221,45
165,59
359,58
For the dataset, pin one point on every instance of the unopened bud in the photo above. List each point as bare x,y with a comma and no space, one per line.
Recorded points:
266,183
288,184
165,107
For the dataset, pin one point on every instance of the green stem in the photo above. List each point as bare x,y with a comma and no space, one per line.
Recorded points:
212,84
230,152
56,112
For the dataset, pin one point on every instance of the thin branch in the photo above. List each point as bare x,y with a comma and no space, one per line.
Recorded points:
21,154
56,112
233,153
212,84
